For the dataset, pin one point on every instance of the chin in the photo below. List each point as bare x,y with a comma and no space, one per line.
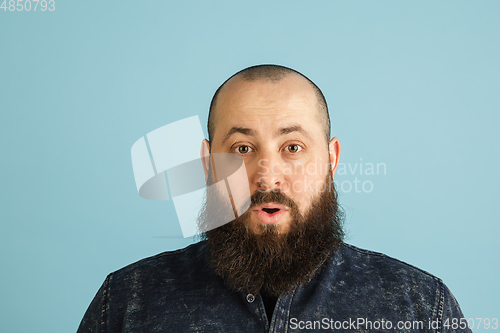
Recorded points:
259,228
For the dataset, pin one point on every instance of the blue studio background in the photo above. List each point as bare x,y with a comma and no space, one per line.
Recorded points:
411,85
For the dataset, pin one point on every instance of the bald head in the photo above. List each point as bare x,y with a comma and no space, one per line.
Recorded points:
273,74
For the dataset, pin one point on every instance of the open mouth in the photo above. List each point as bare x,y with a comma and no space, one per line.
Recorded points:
270,213
271,210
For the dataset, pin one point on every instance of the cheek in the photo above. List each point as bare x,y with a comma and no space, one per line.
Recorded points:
304,186
308,178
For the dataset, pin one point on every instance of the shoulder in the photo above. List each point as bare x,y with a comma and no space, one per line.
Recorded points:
389,276
358,283
373,262
183,264
396,282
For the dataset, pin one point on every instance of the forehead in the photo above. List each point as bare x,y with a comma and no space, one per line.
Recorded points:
264,103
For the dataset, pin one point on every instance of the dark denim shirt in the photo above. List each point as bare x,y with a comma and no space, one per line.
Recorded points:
355,291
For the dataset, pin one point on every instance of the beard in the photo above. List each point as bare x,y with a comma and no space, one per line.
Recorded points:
271,262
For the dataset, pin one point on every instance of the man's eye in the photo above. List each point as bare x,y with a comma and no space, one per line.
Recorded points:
243,150
293,148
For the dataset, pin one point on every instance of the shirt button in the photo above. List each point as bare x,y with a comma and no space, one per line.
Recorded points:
250,298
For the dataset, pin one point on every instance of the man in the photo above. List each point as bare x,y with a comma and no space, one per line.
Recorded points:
282,265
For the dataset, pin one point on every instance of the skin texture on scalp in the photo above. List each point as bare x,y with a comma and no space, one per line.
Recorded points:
271,73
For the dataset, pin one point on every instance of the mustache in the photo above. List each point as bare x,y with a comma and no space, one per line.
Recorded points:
276,196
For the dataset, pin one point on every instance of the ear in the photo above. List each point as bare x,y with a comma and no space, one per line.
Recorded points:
334,151
205,156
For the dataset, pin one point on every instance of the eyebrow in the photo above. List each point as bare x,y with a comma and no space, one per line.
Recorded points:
242,130
291,129
281,131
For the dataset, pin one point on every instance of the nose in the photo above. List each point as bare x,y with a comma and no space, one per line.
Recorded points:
269,175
